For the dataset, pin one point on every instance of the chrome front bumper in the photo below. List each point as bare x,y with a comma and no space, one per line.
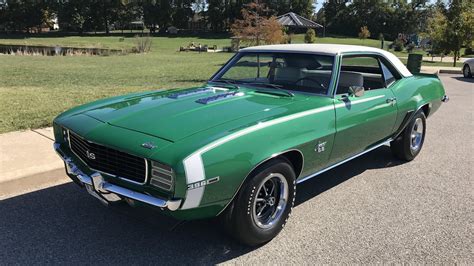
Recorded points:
107,192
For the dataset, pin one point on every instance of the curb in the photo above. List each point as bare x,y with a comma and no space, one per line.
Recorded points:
33,182
450,71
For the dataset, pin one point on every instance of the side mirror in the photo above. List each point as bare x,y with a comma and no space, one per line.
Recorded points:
356,91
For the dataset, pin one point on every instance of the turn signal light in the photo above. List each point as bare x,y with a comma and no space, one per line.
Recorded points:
162,176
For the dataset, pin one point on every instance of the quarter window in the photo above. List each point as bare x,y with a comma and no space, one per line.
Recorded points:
387,74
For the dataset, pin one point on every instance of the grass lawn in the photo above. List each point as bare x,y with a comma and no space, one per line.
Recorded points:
34,89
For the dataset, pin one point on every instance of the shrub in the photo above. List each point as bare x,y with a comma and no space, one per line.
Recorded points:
398,45
310,36
410,47
364,33
142,44
468,51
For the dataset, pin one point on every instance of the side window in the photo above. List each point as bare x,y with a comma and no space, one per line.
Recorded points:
360,71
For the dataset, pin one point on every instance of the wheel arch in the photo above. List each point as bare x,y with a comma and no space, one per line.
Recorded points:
294,156
426,109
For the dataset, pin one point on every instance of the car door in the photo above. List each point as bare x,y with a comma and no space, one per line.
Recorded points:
364,120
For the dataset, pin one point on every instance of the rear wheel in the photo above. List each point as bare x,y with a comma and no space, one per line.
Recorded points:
263,205
466,71
409,143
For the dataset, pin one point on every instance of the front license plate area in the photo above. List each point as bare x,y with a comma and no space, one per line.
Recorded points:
93,193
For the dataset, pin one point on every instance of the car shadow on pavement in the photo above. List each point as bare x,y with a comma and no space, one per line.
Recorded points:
63,224
378,158
470,80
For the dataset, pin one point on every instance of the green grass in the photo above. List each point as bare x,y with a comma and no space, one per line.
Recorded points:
34,89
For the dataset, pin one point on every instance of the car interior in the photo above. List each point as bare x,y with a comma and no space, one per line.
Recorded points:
311,73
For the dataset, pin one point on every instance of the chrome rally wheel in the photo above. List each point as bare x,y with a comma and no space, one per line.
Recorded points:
262,206
410,141
271,200
416,136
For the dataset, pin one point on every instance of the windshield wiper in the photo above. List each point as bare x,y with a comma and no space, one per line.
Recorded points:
230,82
272,86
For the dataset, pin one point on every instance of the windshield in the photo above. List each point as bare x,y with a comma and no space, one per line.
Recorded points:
294,72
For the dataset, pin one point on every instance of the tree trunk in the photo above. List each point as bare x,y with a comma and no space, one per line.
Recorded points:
107,26
455,58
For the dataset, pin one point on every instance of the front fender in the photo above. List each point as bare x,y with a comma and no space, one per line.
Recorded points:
231,158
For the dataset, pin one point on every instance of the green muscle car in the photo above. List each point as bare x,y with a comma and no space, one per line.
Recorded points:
235,147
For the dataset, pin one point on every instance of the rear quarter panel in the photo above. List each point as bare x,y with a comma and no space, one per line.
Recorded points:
414,92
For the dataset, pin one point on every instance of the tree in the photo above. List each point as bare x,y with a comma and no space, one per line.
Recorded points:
255,26
364,33
127,12
451,27
302,7
310,36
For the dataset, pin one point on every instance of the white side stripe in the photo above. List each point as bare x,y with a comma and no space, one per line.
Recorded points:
193,164
194,167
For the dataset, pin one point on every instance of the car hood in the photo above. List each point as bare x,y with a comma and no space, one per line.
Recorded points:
178,114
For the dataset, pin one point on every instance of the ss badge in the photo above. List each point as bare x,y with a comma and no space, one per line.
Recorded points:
320,147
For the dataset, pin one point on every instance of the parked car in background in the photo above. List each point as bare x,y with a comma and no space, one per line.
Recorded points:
468,68
235,147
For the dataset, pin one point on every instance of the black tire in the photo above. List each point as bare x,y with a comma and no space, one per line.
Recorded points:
466,71
406,147
240,218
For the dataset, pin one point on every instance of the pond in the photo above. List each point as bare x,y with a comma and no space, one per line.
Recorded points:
56,50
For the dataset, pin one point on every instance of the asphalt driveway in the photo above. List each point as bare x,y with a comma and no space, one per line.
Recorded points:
373,209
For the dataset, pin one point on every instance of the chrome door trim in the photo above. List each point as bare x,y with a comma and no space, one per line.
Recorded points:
301,180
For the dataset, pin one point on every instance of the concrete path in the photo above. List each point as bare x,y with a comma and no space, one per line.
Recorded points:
443,70
24,156
448,59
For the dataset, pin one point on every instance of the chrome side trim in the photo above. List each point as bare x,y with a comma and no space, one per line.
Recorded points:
119,177
107,192
301,180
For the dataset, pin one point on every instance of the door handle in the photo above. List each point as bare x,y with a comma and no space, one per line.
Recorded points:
391,100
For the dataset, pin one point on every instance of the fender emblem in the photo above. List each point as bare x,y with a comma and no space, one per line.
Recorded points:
203,183
320,147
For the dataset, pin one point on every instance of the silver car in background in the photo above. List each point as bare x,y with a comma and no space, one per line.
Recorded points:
468,67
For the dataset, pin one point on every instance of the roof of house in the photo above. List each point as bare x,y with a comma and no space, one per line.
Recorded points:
331,49
291,19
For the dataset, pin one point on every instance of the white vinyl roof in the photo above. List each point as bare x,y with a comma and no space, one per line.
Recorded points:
331,49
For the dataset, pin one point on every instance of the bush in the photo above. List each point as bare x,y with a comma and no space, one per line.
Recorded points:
398,45
142,44
468,51
410,47
310,36
364,33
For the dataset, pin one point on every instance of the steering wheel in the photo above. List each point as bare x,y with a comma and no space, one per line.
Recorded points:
315,80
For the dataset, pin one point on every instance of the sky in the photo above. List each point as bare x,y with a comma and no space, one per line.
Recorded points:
320,3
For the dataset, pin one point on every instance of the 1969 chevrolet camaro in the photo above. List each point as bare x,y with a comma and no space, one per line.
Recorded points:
272,117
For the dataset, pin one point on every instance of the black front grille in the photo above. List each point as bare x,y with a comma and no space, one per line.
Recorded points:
109,160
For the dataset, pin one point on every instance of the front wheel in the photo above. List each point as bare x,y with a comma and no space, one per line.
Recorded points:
466,71
409,143
263,205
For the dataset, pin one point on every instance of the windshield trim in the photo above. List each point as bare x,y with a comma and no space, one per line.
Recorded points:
240,54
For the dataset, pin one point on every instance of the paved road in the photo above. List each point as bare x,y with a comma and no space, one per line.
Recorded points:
374,209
